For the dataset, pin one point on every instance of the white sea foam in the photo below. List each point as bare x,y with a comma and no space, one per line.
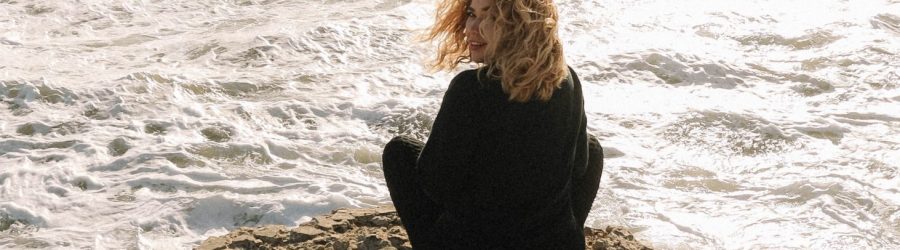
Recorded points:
155,124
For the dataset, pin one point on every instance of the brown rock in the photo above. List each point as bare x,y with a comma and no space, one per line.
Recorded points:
370,228
612,238
213,243
271,234
397,240
342,221
363,212
324,240
381,221
305,233
372,242
324,222
341,245
386,210
396,230
342,216
342,227
245,241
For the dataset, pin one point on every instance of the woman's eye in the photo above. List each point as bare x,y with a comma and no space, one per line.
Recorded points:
469,13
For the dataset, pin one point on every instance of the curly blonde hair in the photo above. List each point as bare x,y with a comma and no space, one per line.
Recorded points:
523,51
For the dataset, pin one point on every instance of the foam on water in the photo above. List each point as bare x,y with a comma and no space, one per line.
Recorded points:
726,124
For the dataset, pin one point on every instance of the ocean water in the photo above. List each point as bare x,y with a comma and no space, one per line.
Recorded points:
145,124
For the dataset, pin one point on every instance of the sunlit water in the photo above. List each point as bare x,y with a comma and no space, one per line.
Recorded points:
155,124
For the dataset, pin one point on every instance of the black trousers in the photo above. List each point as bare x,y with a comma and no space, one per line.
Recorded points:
418,212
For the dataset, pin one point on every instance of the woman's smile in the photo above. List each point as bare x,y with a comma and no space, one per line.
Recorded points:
476,46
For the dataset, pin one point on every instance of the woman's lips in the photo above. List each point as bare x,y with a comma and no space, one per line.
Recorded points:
475,45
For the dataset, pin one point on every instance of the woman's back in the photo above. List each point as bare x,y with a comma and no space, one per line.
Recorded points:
503,170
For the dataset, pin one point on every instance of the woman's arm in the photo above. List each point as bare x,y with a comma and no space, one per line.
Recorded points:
451,145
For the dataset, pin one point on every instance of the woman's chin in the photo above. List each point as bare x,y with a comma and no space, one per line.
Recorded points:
477,59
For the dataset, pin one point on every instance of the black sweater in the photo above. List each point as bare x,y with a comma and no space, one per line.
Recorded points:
503,170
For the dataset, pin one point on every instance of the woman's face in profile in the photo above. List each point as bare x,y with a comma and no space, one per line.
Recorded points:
475,14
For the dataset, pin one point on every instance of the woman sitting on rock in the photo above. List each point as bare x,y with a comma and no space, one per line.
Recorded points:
508,163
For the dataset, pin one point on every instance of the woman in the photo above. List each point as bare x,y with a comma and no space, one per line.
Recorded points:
508,163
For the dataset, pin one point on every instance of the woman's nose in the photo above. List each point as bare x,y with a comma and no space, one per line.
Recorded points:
472,27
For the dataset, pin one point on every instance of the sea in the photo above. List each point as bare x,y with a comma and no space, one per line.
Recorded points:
155,124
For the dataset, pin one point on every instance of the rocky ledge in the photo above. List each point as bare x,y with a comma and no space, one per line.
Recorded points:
368,228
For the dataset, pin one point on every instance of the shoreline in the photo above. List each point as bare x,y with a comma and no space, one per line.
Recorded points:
369,229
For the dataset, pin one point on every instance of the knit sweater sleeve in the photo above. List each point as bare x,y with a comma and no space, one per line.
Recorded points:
448,154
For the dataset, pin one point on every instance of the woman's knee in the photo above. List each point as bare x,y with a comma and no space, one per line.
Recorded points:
401,143
396,144
399,148
594,145
595,155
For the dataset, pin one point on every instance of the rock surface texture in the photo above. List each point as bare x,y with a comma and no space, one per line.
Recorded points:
367,229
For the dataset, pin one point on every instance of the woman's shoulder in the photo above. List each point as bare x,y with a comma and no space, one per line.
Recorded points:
571,84
568,87
470,81
465,81
466,76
